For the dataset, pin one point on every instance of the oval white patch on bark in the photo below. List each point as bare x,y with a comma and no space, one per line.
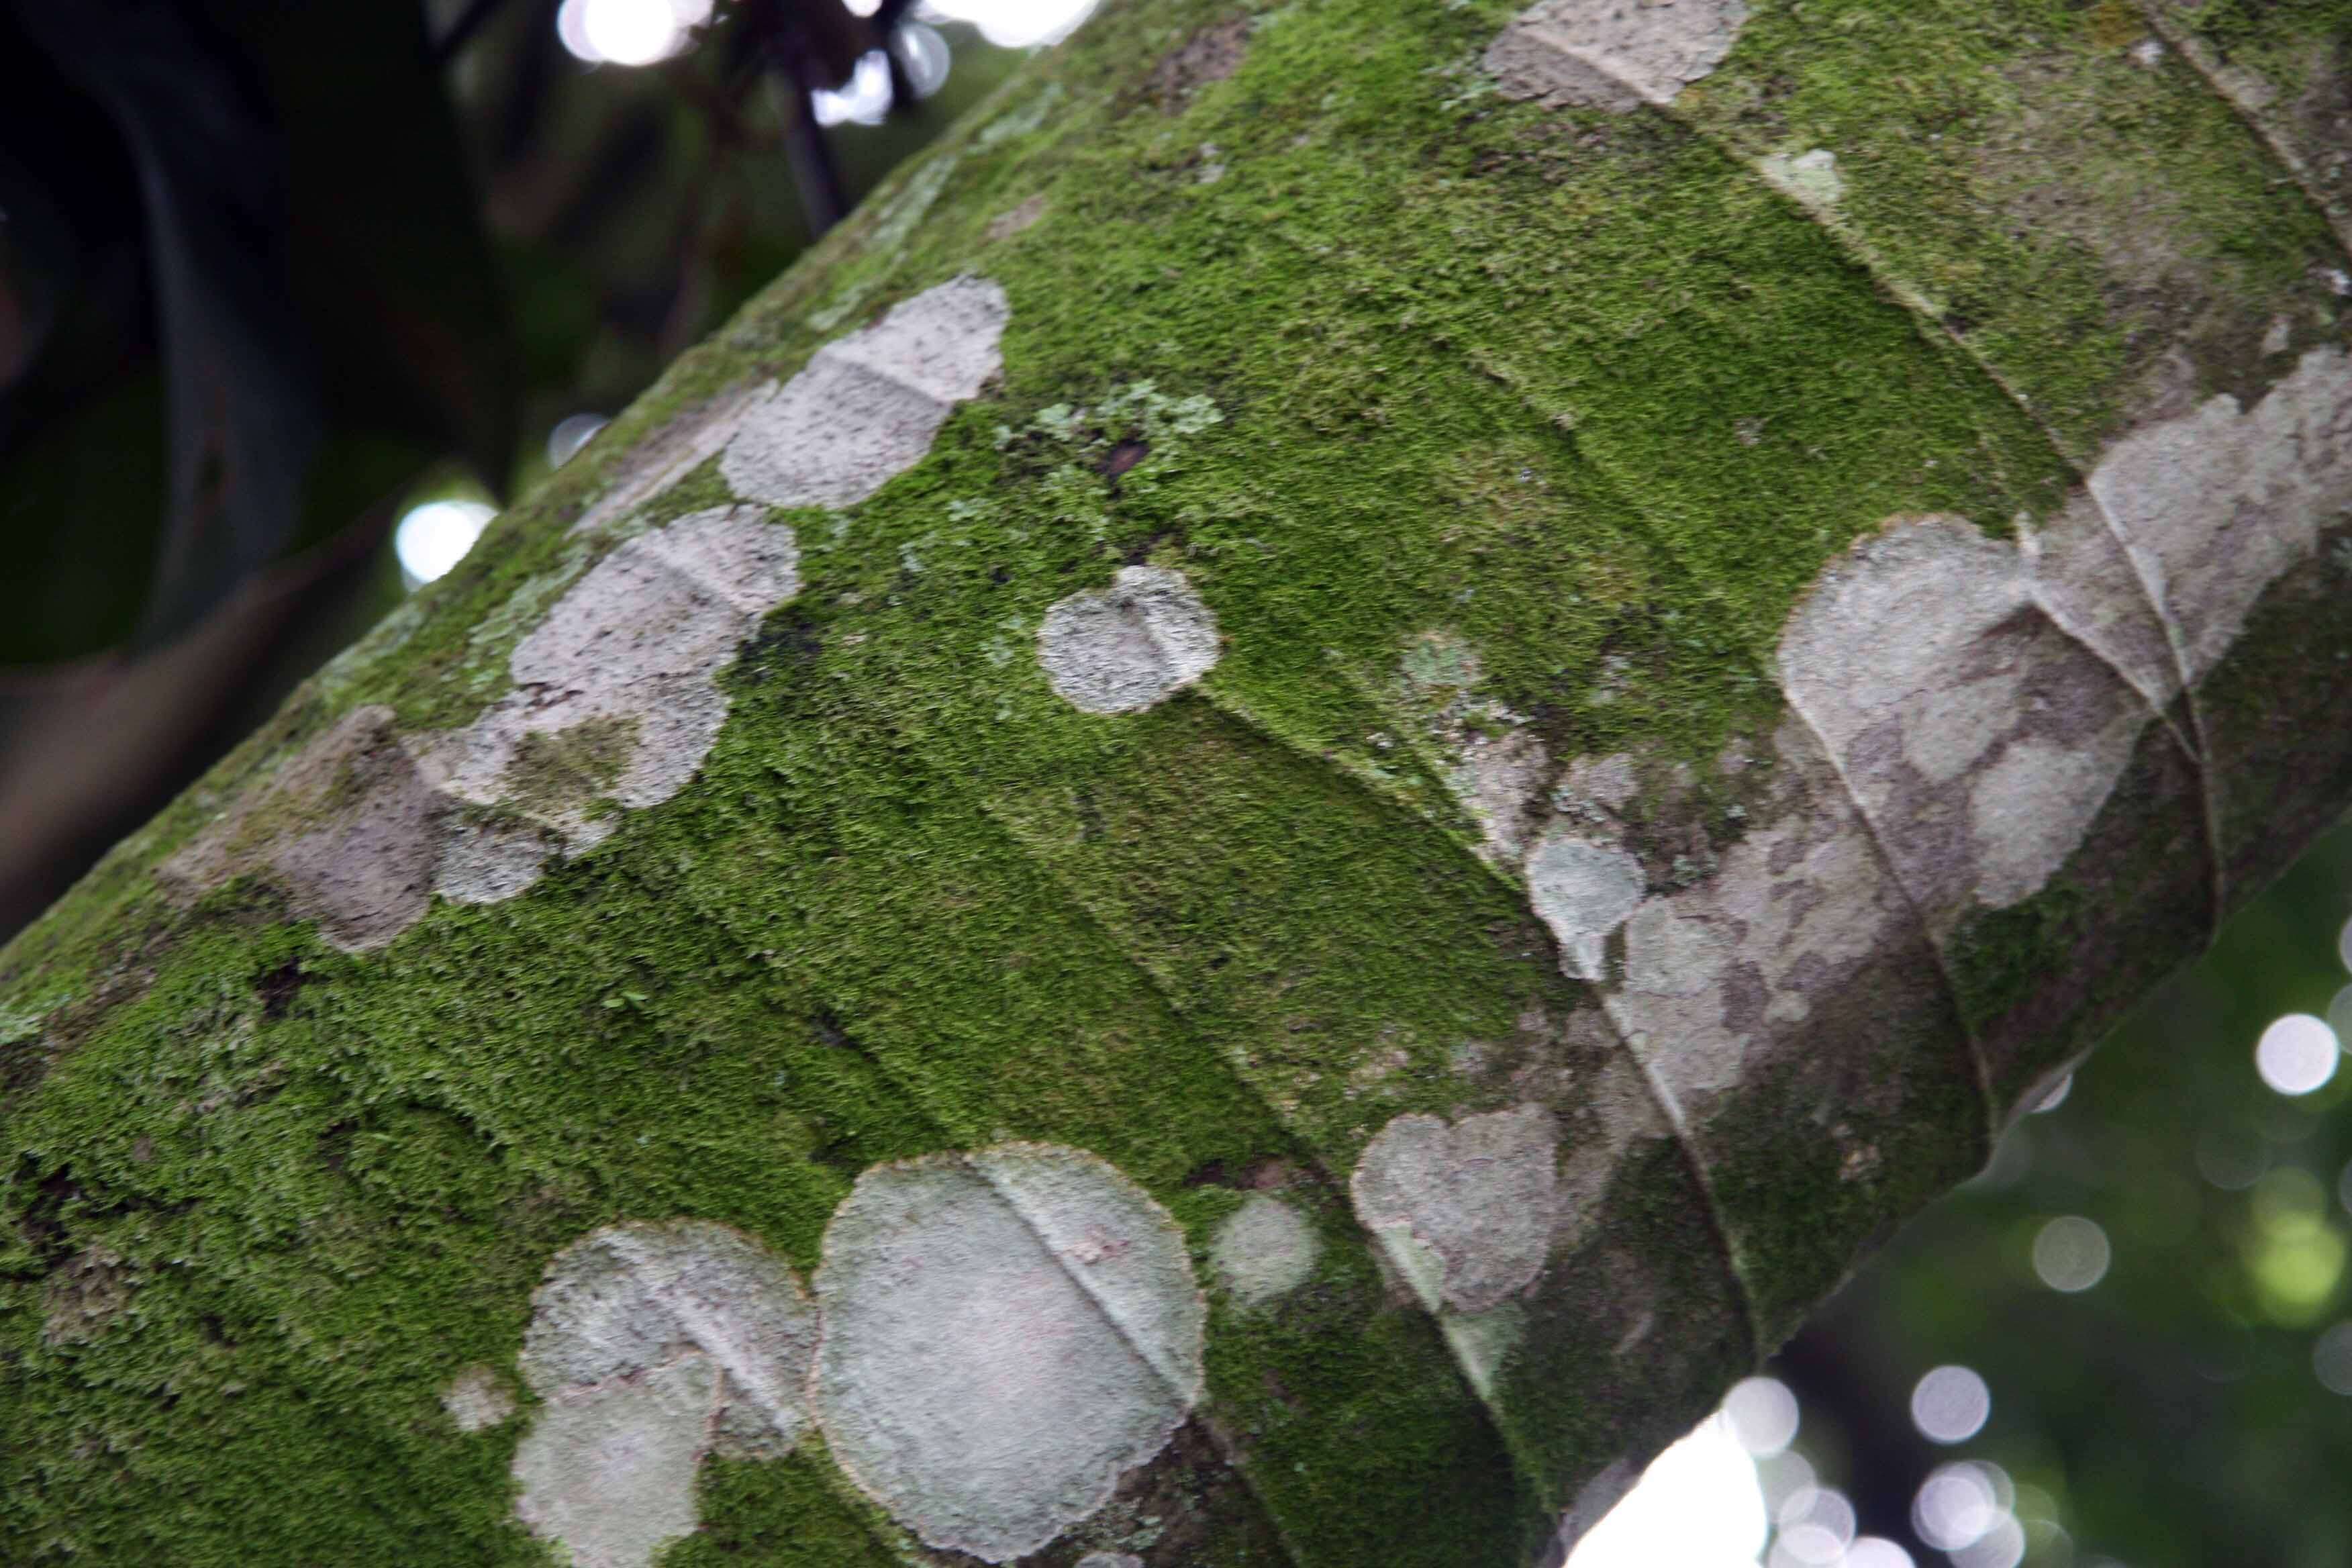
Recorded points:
1582,891
648,1343
867,406
1006,1332
628,657
1613,54
1464,1211
1264,1249
1122,648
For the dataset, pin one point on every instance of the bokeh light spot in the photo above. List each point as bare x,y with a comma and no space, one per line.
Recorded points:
1876,1551
571,433
1950,1404
1959,1505
434,537
2071,1253
627,32
2296,1053
863,99
1763,1414
2002,1546
2331,1359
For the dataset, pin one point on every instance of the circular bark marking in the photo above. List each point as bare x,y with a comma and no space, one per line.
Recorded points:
1264,1249
1465,1211
649,1344
1006,1332
1121,649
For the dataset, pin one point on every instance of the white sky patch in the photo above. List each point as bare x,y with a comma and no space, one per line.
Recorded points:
1007,1331
1014,24
1698,1506
863,99
434,537
627,32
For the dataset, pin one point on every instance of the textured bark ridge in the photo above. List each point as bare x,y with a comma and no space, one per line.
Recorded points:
1247,838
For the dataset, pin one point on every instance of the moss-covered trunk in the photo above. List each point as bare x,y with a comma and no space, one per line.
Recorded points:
1246,838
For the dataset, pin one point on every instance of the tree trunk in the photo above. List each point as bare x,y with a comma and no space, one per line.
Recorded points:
1250,835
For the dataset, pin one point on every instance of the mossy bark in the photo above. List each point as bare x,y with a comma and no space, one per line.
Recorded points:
1509,441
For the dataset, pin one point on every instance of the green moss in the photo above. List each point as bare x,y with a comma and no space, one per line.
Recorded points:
564,770
1438,401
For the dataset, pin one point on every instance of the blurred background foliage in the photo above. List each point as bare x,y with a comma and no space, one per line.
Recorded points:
290,293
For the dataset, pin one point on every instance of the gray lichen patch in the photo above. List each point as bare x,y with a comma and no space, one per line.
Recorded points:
1615,55
659,461
649,1345
1123,649
1979,740
1798,906
614,692
1264,1250
347,827
2217,504
1583,891
1006,1332
476,1399
1465,1210
867,406
608,1471
615,703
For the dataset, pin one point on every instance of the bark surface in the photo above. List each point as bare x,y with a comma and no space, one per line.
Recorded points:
1246,838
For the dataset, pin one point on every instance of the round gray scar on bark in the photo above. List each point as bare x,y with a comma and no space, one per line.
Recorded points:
1264,1249
867,406
1582,891
652,1345
477,1398
1464,1211
1006,1332
1615,55
614,696
1122,648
